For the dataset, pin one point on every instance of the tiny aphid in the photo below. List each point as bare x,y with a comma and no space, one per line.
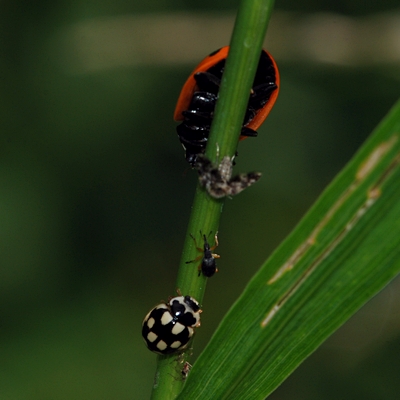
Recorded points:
185,370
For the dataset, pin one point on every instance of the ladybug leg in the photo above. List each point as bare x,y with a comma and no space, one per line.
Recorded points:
204,101
265,88
262,94
171,297
248,132
208,81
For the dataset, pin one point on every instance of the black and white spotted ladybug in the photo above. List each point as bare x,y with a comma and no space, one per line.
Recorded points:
208,265
217,178
168,327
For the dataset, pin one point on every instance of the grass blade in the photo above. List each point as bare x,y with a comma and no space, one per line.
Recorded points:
341,254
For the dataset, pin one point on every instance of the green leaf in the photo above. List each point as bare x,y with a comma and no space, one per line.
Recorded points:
342,253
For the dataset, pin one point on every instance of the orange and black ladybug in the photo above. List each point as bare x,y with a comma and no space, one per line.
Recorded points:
196,103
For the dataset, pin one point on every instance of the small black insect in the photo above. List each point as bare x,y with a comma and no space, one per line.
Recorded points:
208,265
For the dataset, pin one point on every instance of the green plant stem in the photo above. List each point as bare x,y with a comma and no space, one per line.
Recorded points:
245,47
244,54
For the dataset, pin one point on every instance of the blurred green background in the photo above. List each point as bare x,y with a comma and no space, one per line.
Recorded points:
95,192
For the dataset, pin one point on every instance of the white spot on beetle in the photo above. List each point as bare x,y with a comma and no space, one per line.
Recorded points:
161,345
166,318
151,337
178,328
150,323
176,345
